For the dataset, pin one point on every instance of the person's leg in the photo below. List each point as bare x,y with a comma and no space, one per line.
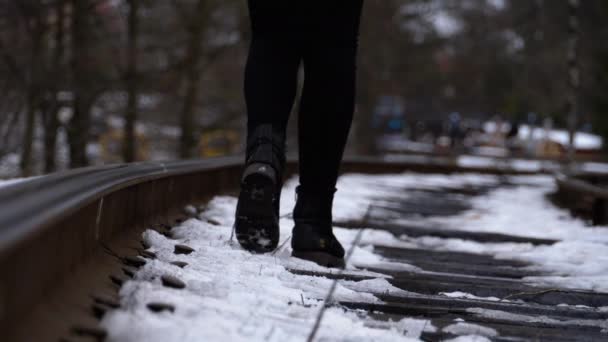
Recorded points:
272,64
270,88
327,105
326,113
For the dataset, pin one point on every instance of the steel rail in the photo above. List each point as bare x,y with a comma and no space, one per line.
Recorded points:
29,207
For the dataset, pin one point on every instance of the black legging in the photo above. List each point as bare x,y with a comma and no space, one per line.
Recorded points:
322,34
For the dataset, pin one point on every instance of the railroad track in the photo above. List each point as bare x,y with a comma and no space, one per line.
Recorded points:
69,241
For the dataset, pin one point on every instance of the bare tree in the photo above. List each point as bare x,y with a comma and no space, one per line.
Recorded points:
34,16
129,148
54,84
195,25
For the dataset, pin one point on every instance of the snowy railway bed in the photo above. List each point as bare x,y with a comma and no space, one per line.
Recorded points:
438,253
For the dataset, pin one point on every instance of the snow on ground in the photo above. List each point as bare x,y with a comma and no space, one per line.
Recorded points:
520,165
458,294
9,165
578,260
462,328
476,161
233,295
594,167
358,191
582,140
238,296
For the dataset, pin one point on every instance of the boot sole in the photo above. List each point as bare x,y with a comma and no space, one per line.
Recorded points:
256,227
321,258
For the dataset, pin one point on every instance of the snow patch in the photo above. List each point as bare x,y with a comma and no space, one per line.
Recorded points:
469,338
594,167
458,294
582,140
462,328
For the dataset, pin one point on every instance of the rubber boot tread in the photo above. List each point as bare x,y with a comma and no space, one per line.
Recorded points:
256,226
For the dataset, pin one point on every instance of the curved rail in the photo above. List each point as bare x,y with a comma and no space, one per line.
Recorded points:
29,207
52,226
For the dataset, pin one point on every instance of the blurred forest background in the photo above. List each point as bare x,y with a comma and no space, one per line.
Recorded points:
99,81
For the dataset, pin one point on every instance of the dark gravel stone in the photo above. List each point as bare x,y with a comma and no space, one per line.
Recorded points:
190,211
159,307
212,221
99,310
134,261
96,332
159,226
107,301
166,234
148,254
183,249
180,264
129,271
172,282
118,280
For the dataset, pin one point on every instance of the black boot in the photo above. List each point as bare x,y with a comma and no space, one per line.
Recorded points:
257,214
313,238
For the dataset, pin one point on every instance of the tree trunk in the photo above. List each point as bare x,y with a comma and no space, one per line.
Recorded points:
5,134
32,96
50,139
365,134
51,120
188,141
129,149
28,136
78,128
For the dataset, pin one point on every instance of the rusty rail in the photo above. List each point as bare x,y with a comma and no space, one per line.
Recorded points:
54,229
